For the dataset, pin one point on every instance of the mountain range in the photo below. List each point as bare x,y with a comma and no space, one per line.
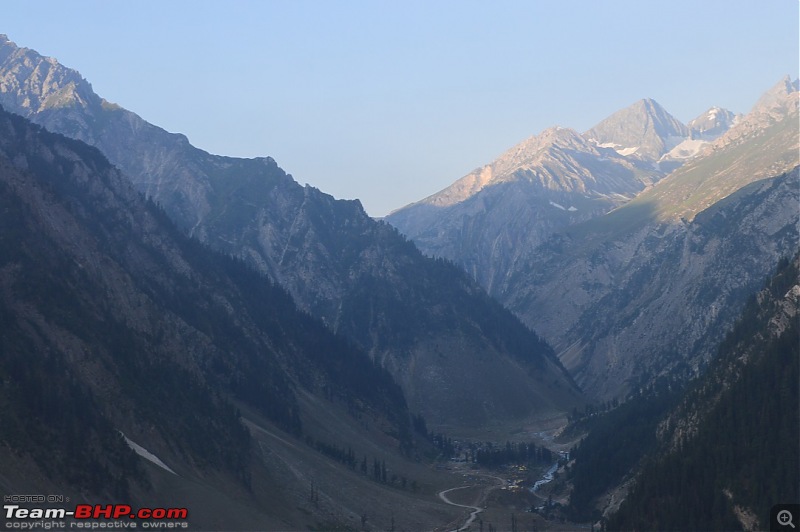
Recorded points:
461,358
197,330
123,337
564,227
488,220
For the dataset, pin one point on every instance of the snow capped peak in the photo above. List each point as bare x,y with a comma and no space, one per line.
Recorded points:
711,124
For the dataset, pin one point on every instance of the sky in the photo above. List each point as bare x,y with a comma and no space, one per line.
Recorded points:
391,101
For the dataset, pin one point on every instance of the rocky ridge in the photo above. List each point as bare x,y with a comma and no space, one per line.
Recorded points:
490,220
430,325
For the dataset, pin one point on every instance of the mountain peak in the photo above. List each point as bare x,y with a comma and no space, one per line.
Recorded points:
712,123
778,97
644,129
522,161
788,85
651,104
34,83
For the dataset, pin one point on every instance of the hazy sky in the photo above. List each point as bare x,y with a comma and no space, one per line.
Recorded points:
391,101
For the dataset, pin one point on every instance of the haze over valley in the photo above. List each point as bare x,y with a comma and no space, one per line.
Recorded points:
557,340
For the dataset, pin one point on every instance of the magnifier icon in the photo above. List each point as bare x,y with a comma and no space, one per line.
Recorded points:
785,518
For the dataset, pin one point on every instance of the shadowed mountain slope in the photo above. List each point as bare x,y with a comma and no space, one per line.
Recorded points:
745,413
460,357
233,403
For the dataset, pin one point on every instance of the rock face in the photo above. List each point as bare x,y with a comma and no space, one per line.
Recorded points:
660,298
58,98
432,326
653,285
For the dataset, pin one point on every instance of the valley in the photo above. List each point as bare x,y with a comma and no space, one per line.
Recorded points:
556,341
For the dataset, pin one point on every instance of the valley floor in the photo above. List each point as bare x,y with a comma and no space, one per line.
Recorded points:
453,495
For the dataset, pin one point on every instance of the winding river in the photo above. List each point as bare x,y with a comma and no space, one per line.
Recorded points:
548,477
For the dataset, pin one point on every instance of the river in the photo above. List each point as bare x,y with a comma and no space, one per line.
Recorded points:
548,477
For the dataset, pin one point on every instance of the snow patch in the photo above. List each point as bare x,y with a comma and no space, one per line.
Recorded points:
147,455
628,151
613,145
570,209
616,147
686,149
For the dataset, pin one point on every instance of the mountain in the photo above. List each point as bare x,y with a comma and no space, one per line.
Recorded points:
773,102
761,144
711,454
711,124
461,359
729,450
666,274
492,219
644,130
517,226
139,365
702,130
487,220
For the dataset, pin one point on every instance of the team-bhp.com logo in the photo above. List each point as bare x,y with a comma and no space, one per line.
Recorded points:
151,517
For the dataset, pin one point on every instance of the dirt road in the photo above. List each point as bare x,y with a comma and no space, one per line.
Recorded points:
475,509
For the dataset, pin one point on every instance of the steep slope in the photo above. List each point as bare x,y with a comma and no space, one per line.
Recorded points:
730,449
673,265
114,322
705,454
460,357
